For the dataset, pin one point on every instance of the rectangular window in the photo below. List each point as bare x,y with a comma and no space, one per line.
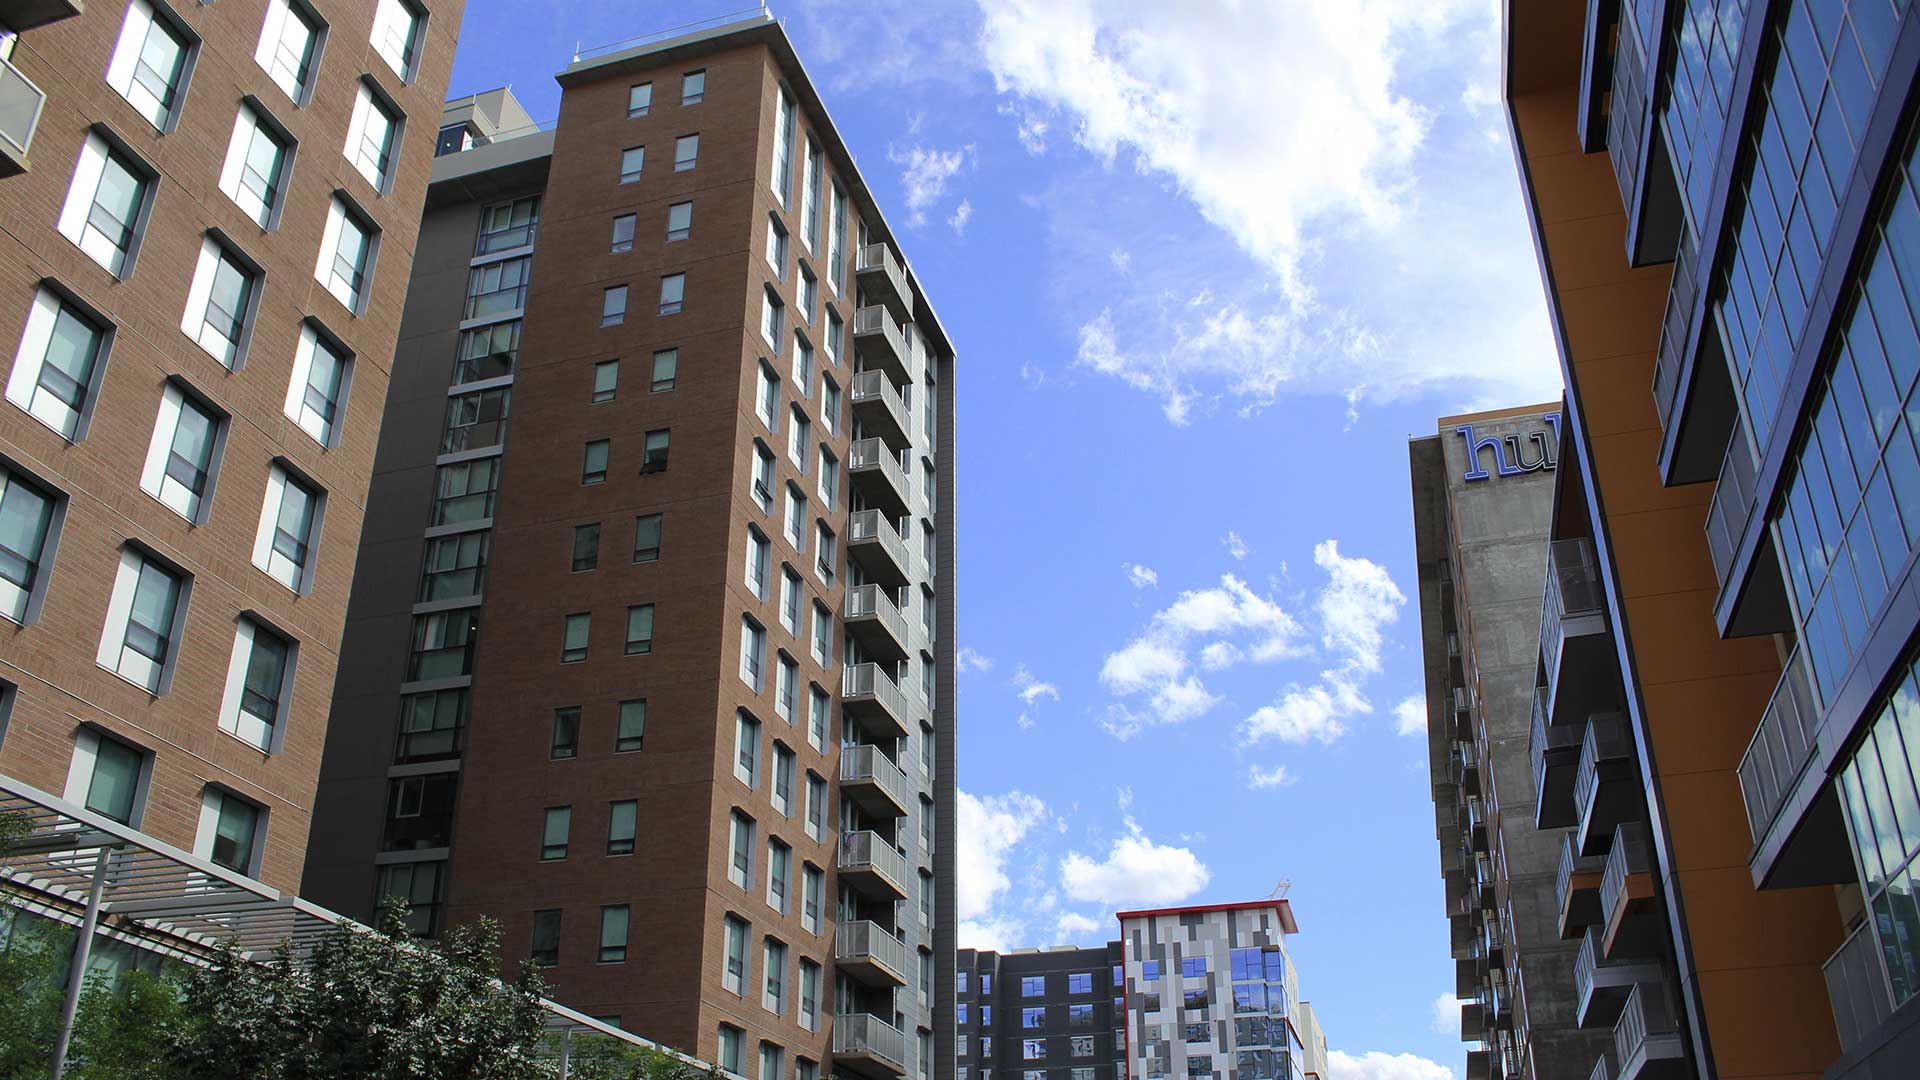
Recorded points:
289,527
740,856
57,368
632,160
26,521
759,556
464,491
693,87
826,553
1080,1016
1193,967
790,595
786,687
802,355
812,888
779,874
613,306
809,1011
623,823
679,221
1033,1049
566,734
454,566
734,978
762,476
830,405
816,806
613,934
799,439
546,938
575,637
633,726
817,719
730,1039
1033,1018
1080,982
810,197
673,293
833,334
686,152
373,136
639,629
666,365
229,828
498,288
773,319
396,36
289,47
1033,986
622,234
746,749
586,547
822,635
220,303
106,776
829,477
106,204
639,100
653,451
777,247
593,462
606,381
347,249
419,884
783,147
149,64
766,399
1082,1046
775,999
809,296
837,242
796,516
182,456
476,420
553,838
318,388
646,538
508,225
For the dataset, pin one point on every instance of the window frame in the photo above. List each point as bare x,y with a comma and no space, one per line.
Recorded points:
265,52
266,545
112,654
314,338
215,252
30,598
369,97
251,120
236,719
76,221
127,56
156,475
27,385
326,270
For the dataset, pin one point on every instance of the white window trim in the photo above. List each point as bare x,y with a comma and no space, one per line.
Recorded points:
272,32
86,751
243,726
113,635
23,383
385,18
126,53
153,478
193,321
295,408
264,556
338,216
363,105
84,189
204,835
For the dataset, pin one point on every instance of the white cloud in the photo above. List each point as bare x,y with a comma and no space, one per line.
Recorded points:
999,934
1141,577
1072,924
962,214
1358,600
1031,689
925,174
1135,870
1276,777
1140,664
1379,1065
1029,127
989,827
1410,716
1232,620
1307,714
1122,260
1235,546
1446,1014
967,659
1220,654
1032,374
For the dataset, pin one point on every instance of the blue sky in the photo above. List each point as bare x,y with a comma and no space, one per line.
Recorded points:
1207,265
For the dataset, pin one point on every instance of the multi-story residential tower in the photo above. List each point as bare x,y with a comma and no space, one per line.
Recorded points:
1040,1014
207,215
654,663
1724,211
1525,810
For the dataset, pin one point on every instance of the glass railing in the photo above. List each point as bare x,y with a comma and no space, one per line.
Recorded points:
1547,737
870,526
1586,962
1573,588
863,940
1629,856
1782,746
868,681
873,322
1605,739
871,601
20,105
1674,328
866,764
1857,988
1732,503
874,386
870,454
1571,863
1647,1014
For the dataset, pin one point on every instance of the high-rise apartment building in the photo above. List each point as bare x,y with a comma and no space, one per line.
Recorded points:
1723,205
207,214
1040,1014
652,656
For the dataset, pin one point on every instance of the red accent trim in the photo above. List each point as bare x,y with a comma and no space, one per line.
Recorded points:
1280,907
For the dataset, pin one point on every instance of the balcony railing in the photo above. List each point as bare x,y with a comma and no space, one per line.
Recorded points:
20,105
883,276
1647,1031
1629,856
1602,1068
864,768
1605,742
1552,746
871,617
1466,760
1573,588
1732,503
880,408
870,858
1857,988
1675,327
1600,988
878,547
1781,748
868,693
875,467
871,949
866,1036
881,342
1477,823
1575,912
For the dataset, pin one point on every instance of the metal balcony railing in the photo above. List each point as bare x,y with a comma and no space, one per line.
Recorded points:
1602,1068
1551,744
867,942
881,341
867,1036
863,765
1782,746
870,458
1573,588
886,278
872,539
868,609
1732,503
1571,863
1675,326
870,852
1605,739
1629,856
880,408
20,105
1857,987
865,688
1647,1018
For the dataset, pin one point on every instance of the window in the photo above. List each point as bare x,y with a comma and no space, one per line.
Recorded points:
829,477
180,463
1033,985
632,729
686,152
220,303
666,365
777,247
653,452
986,984
826,554
816,806
783,147
679,221
786,682
693,87
646,538
575,634
593,462
730,1052
809,296
810,198
106,204
986,1015
790,600
149,65
759,555
508,225
553,839
632,160
143,618
606,381
796,516
639,99
812,888
373,136
1080,982
779,874
259,678
622,234
318,388
817,718
766,398
613,306
762,476
623,821
775,999
586,547
289,527
673,293
639,629
926,845
1080,1016
926,485
734,978
746,749
396,37
834,332
229,826
802,362
1081,1046
1033,1049
740,856
476,421
822,635
347,249
546,938
829,405
454,566
1033,1018
799,439
106,776
26,523
809,1010
1199,1065
613,934
566,734
498,288
419,884
1193,967
57,369
290,47
753,647
837,241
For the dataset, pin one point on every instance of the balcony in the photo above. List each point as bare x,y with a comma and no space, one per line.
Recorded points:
1577,888
1857,989
1463,714
869,1046
1555,749
1580,671
25,15
885,280
20,106
876,472
876,623
1782,745
1493,941
881,343
1498,999
1463,934
870,954
1732,503
1476,810
877,546
1646,1041
1600,988
872,780
1466,765
868,695
1467,973
870,863
880,409
1602,1068
1626,895
1606,789
1473,1021
1480,1065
